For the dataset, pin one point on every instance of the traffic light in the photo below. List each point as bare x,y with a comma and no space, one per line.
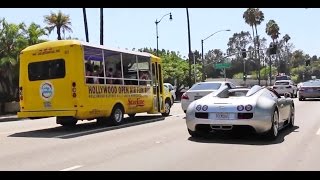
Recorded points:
272,48
244,54
308,62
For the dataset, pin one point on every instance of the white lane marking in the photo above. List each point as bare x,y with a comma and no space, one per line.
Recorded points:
114,127
71,168
318,132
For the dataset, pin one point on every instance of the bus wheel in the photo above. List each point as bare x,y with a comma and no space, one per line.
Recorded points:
67,121
117,115
167,107
132,115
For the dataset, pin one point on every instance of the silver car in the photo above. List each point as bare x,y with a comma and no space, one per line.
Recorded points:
202,89
259,108
309,89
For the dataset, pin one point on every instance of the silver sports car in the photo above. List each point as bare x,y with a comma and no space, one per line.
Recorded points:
259,108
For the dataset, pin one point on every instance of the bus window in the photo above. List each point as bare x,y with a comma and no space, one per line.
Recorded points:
130,73
44,70
144,70
94,65
113,67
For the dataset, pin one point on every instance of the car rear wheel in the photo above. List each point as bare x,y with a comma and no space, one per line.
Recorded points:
273,132
194,134
291,123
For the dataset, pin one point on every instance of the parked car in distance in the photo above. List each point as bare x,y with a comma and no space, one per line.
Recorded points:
202,89
172,90
286,86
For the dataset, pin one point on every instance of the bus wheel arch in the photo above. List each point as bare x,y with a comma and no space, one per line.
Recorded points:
117,114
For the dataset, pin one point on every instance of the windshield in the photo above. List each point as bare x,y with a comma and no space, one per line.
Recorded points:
206,86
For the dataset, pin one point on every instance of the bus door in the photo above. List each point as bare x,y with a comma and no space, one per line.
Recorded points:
156,87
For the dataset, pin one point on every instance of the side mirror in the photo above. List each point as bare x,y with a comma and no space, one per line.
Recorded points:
287,95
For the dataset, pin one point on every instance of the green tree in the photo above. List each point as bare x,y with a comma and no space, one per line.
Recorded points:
34,32
254,17
58,21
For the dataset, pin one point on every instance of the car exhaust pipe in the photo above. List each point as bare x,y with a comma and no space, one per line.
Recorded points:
221,127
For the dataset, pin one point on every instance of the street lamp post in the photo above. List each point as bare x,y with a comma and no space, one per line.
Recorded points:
203,72
157,22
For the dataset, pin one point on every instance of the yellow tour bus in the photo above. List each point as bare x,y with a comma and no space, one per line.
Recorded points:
73,80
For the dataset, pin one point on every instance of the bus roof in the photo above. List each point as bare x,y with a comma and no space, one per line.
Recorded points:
58,43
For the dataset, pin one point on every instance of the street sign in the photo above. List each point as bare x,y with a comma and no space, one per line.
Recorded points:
222,65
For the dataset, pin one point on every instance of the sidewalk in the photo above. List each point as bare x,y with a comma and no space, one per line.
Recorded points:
9,117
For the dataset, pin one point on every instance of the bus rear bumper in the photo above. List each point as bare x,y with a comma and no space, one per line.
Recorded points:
31,114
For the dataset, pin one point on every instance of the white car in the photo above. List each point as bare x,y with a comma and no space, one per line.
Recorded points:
172,90
285,86
202,89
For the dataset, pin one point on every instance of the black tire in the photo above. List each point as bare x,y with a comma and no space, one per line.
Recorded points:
132,115
67,121
292,112
167,107
273,132
194,134
172,100
117,114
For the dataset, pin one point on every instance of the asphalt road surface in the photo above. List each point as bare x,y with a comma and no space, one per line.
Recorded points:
154,143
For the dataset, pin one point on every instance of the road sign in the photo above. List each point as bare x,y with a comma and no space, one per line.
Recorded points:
222,65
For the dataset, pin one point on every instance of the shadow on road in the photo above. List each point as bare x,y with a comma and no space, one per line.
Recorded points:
245,138
85,128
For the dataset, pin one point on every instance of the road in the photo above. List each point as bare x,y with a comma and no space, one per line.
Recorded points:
155,143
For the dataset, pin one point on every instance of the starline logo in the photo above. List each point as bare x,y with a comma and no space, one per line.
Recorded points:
136,102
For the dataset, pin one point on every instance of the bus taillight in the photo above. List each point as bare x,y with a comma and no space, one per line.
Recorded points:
74,90
20,93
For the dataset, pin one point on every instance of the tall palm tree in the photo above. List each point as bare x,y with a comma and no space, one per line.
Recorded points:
85,23
272,30
254,17
59,21
34,32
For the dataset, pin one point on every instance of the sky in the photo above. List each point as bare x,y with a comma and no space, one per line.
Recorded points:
135,27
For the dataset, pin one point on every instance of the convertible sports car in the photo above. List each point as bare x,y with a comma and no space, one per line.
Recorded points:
258,108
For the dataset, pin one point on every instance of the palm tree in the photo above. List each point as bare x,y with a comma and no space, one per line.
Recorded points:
34,32
254,17
272,30
60,21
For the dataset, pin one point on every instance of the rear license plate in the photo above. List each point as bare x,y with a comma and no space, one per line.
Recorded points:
197,97
222,115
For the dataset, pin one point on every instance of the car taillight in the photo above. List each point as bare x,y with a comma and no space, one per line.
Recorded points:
248,107
20,94
240,108
184,96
